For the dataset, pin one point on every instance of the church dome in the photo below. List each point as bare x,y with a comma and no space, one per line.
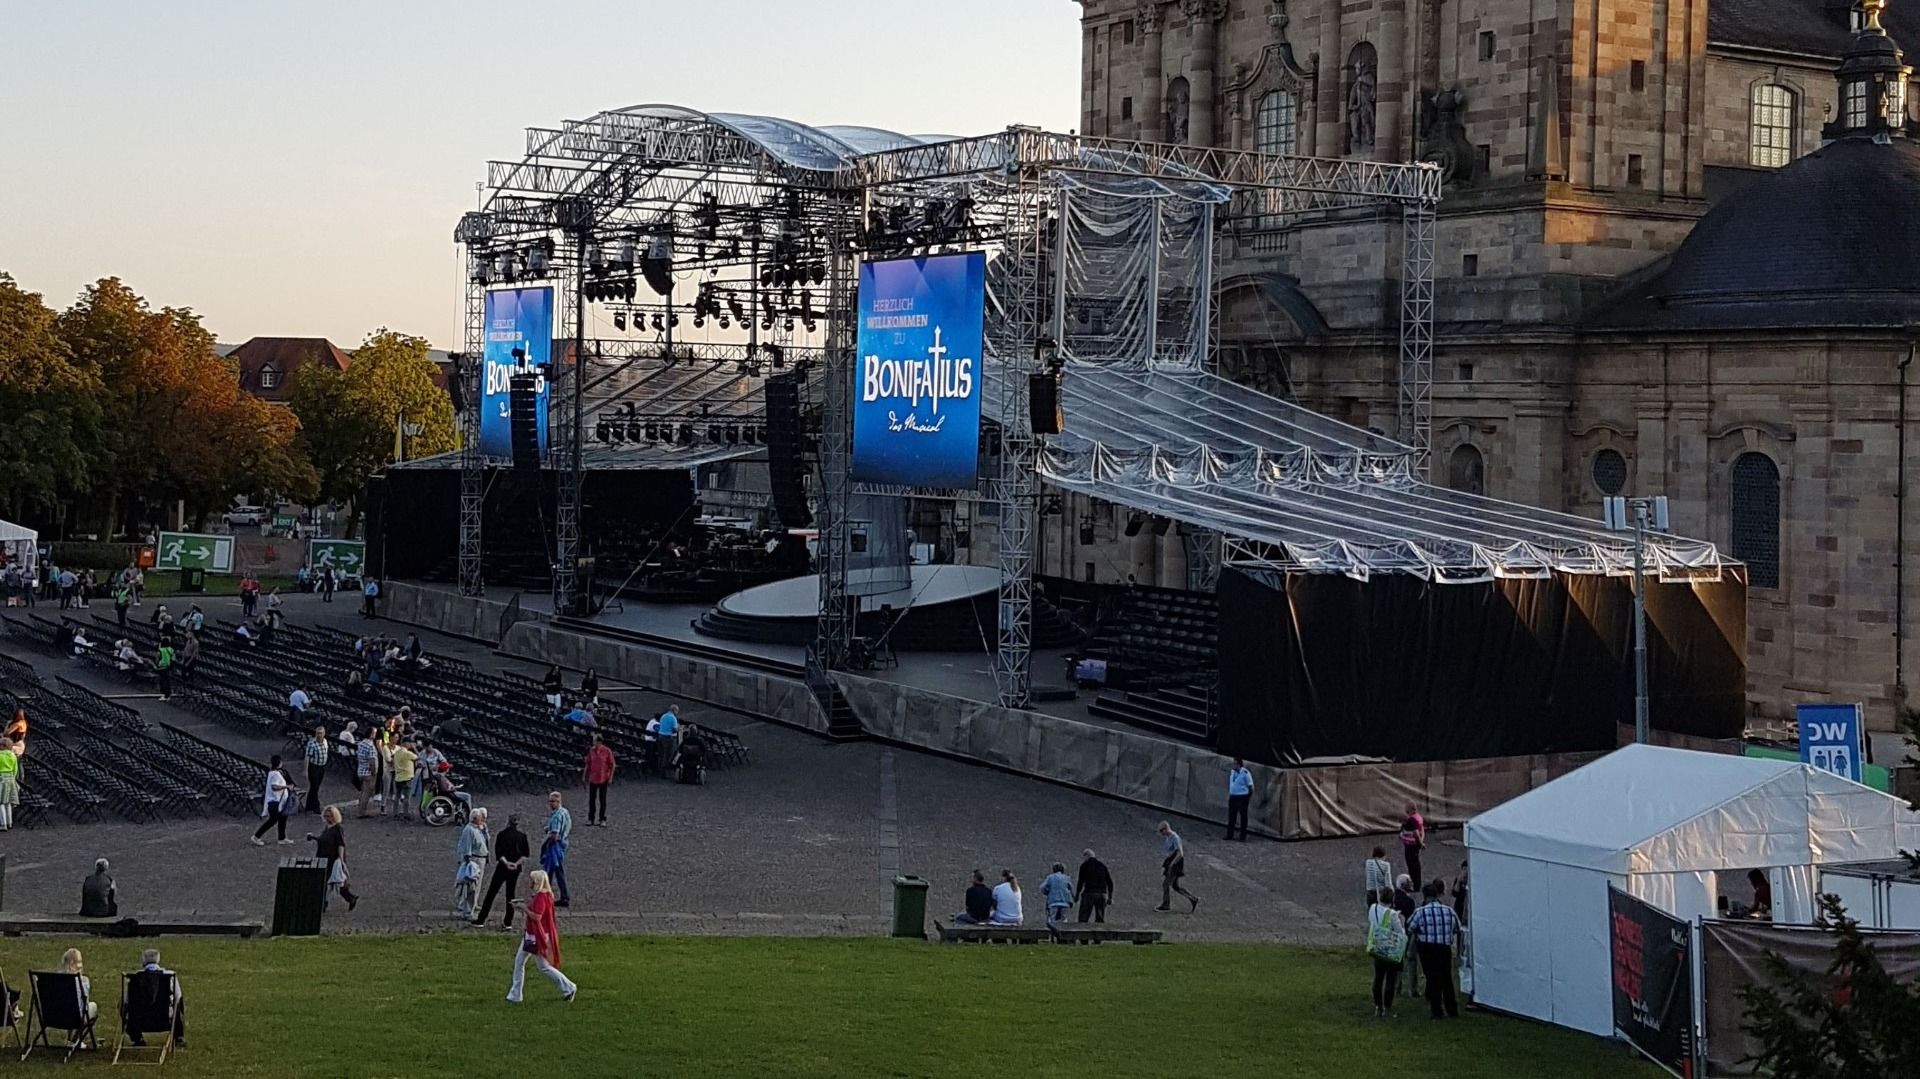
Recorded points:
1829,241
1842,223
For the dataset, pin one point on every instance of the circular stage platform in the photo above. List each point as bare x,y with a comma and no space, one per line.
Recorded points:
799,597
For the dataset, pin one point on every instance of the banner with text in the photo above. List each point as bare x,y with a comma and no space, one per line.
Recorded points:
917,371
519,320
1652,980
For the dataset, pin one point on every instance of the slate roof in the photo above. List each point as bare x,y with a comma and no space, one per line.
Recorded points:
1831,240
1812,27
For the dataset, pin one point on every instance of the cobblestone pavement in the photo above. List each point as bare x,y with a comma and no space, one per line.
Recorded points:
805,840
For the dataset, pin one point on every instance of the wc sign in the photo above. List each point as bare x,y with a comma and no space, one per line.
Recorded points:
1830,739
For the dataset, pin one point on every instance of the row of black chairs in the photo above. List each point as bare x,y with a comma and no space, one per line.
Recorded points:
149,1004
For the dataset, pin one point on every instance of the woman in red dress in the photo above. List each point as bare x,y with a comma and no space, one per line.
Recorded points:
541,943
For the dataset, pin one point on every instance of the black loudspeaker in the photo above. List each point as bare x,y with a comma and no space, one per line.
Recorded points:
1161,524
1086,533
1043,403
523,416
1134,521
457,383
858,541
785,454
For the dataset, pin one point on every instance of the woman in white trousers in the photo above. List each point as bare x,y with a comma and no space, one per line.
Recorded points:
541,942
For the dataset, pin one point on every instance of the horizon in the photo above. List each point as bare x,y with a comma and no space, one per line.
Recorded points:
217,158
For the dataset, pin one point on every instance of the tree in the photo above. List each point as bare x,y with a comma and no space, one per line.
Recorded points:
49,407
1856,1021
174,424
348,419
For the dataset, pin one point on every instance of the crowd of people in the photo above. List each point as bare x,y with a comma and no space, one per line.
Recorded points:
1090,887
1411,929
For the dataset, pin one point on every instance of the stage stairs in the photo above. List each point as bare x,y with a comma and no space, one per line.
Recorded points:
1176,707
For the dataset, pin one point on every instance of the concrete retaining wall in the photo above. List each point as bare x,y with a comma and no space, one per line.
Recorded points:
1290,803
783,700
444,611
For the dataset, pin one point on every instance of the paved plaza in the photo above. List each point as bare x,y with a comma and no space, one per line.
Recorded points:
804,840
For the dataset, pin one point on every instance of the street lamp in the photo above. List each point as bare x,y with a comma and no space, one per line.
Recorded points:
1639,515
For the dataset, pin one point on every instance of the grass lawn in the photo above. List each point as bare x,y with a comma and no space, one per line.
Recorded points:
432,1005
166,583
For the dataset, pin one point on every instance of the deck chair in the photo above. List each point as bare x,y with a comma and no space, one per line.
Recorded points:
58,1004
10,998
149,1004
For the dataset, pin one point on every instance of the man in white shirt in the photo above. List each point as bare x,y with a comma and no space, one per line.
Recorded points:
1239,797
297,704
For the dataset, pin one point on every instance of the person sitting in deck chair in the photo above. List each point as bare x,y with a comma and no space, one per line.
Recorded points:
131,1005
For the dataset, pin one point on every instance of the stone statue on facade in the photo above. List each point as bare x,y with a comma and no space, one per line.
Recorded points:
1179,97
1443,136
1362,90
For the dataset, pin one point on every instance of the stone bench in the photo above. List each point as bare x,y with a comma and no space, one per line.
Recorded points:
14,925
991,934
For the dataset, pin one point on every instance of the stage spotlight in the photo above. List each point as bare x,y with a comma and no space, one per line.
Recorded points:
620,432
503,265
633,430
733,434
699,322
619,320
596,256
659,322
713,433
1135,522
603,431
623,251
539,258
787,324
739,313
686,434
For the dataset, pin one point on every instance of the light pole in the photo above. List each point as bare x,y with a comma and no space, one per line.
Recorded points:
1639,514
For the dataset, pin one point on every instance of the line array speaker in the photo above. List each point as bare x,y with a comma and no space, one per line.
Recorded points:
523,417
1043,403
785,456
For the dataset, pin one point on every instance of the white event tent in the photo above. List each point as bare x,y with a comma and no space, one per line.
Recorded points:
20,544
1672,827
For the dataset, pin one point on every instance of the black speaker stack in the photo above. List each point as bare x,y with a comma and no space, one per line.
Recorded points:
1043,403
786,454
523,417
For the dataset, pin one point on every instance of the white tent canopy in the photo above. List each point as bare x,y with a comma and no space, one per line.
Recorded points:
1672,827
20,543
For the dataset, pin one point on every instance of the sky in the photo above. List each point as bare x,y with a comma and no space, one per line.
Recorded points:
297,169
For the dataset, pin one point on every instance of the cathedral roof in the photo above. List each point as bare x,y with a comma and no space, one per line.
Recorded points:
1831,240
1806,27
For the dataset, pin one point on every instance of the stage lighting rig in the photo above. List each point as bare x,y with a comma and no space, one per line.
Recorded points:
603,431
807,314
538,257
620,320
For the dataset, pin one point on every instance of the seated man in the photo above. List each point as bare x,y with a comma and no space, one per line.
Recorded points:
979,902
97,899
580,715
150,963
243,634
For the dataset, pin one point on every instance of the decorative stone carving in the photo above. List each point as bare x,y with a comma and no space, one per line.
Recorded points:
1363,80
1277,20
1443,137
1148,16
1179,100
1208,10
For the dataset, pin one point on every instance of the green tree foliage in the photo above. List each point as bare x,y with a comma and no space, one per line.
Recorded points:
175,425
348,418
49,407
1856,1021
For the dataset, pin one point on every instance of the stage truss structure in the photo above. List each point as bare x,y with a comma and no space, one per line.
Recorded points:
651,214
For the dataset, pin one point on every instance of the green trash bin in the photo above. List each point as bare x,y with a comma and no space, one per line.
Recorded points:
910,907
299,890
193,580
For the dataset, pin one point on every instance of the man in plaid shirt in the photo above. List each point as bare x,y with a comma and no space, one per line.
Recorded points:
366,758
1434,927
319,752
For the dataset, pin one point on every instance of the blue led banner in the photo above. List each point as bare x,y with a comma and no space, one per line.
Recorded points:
517,319
917,371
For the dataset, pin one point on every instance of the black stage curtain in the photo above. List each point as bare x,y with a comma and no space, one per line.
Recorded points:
413,517
1318,665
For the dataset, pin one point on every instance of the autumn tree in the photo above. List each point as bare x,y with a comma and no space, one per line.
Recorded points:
49,408
349,418
175,425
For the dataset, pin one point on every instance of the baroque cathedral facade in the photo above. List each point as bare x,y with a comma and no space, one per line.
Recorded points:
1678,253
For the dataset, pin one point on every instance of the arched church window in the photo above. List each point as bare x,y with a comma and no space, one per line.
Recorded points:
1276,128
1756,518
1467,470
1770,134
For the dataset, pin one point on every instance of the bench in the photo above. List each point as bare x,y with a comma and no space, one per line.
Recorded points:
1101,935
991,934
14,925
